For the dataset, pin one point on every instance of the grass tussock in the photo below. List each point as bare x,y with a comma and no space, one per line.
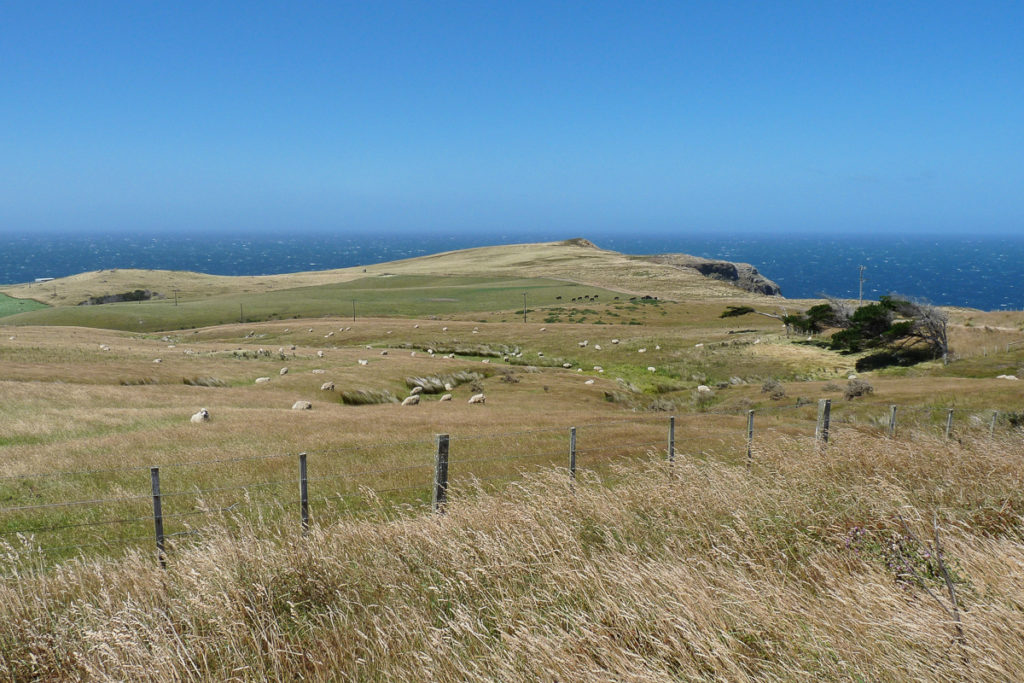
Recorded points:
366,397
434,384
809,566
203,382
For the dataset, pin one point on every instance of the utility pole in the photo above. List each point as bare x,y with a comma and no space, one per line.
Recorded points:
241,314
860,298
353,310
524,307
175,297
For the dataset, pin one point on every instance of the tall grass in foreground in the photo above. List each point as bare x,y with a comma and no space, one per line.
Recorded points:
812,565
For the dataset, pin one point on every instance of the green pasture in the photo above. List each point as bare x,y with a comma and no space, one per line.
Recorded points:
379,296
11,306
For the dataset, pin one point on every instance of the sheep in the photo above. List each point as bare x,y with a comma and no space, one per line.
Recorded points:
319,354
589,381
363,362
540,354
411,400
444,329
657,347
284,371
412,354
597,347
583,344
416,326
384,352
1009,377
448,386
158,360
543,329
703,389
302,405
642,350
446,397
615,341
566,365
477,398
327,386
319,371
262,380
485,360
416,390
202,416
651,368
699,346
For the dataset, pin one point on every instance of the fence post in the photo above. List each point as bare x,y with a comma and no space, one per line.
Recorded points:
992,427
672,439
750,437
949,422
824,415
441,473
303,494
572,453
158,517
892,420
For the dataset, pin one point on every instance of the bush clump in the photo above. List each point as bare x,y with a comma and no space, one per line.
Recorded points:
857,387
366,397
774,389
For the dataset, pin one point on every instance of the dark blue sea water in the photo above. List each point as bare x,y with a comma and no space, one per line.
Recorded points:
984,272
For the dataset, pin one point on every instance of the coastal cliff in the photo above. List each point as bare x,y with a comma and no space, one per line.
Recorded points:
742,275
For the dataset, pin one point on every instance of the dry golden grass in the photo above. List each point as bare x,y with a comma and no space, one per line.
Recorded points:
698,571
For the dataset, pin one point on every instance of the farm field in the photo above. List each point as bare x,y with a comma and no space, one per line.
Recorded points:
93,397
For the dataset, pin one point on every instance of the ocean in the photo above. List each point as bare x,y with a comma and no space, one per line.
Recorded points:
985,272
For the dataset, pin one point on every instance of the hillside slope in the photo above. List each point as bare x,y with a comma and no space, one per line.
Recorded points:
577,260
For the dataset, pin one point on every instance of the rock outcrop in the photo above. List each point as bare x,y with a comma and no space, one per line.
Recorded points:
742,275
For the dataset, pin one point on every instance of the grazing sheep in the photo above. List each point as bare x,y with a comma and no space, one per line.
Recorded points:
703,389
651,368
448,386
477,398
644,350
583,344
444,329
284,371
363,362
158,360
1010,377
319,371
543,329
103,347
540,354
597,347
699,346
657,347
446,397
430,352
589,381
615,341
416,390
202,416
384,352
485,360
327,386
566,365
412,353
319,354
411,400
262,380
416,326
302,405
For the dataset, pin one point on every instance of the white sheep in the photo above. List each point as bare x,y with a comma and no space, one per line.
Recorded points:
384,352
477,398
319,354
302,405
444,329
703,389
363,362
446,397
284,371
597,347
416,390
262,380
644,350
448,386
651,368
327,386
1010,377
158,360
416,326
589,381
411,400
566,365
319,371
202,416
615,341
583,344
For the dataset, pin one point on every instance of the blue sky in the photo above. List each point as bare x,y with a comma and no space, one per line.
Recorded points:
583,118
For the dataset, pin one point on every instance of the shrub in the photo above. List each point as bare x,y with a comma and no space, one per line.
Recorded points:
857,387
832,386
774,389
203,382
364,397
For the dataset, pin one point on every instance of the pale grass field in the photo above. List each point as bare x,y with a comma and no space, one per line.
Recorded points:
701,570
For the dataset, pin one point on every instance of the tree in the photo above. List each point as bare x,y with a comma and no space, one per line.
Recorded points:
894,324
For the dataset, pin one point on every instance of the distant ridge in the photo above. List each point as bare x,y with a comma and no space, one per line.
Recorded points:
673,276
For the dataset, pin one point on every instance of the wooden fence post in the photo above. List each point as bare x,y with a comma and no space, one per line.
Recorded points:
824,415
892,420
949,422
572,453
158,517
672,439
750,437
441,473
303,494
992,427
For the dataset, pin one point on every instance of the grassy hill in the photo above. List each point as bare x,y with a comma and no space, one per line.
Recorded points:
715,568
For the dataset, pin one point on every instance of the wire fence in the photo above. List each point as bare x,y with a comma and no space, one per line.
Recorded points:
55,515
